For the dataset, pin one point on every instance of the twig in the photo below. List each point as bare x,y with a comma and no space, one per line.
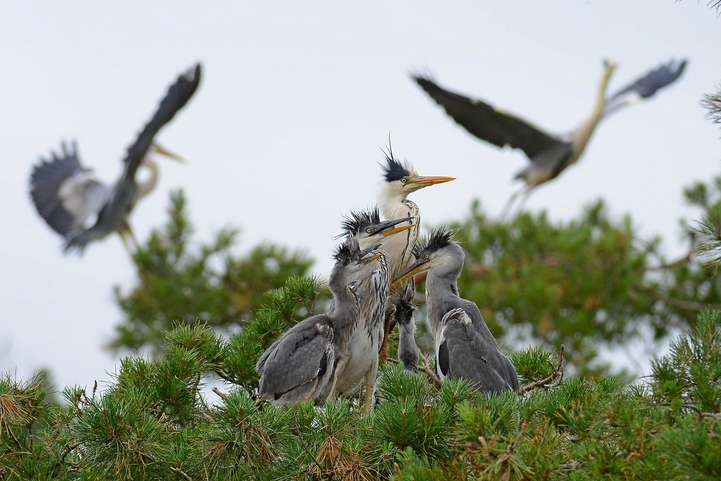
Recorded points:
220,394
426,368
556,374
181,472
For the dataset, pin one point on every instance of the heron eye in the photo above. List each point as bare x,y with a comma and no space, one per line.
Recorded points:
427,256
404,180
369,230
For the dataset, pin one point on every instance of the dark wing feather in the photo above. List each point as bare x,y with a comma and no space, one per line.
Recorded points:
178,95
296,361
45,183
487,123
470,356
646,86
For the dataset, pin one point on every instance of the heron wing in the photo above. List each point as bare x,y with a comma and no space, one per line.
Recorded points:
489,123
65,193
646,86
178,95
297,361
464,353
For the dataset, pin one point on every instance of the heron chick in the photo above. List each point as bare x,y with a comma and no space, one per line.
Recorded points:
464,346
372,286
304,363
82,209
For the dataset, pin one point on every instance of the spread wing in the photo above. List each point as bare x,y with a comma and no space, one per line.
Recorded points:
646,86
65,193
178,95
488,123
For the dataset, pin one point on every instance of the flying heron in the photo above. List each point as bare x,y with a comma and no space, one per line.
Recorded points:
371,285
464,346
549,154
79,207
304,363
400,180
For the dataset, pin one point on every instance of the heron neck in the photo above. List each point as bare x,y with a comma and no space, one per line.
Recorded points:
583,134
146,186
344,307
442,287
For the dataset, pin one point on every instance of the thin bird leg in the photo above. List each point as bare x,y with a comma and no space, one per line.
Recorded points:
126,243
366,391
383,354
510,201
526,194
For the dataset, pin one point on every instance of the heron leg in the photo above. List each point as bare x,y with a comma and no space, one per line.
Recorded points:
526,195
388,325
366,391
130,242
510,201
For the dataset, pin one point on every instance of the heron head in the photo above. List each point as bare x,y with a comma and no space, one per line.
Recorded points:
428,253
609,65
402,178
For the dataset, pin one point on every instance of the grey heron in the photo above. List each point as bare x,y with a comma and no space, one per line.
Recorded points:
371,285
403,315
79,207
464,346
549,154
303,364
399,181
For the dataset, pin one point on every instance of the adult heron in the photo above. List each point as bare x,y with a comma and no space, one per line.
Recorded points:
82,209
464,346
549,154
371,285
304,363
400,180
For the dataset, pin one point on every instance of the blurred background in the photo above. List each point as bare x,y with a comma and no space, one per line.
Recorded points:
285,131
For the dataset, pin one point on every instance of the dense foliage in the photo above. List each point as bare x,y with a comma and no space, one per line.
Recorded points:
156,421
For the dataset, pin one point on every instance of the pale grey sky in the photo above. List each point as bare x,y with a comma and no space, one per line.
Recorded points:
284,134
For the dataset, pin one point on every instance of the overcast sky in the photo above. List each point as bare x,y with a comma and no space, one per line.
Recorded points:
284,133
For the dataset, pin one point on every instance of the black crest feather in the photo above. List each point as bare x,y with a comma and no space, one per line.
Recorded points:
346,251
394,169
438,239
356,221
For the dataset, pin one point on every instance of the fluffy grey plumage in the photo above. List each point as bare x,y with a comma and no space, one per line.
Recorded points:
306,361
464,346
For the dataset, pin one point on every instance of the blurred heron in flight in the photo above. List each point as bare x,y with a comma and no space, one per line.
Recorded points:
549,154
79,207
464,346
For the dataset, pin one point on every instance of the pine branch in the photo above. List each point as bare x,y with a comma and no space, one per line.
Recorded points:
556,374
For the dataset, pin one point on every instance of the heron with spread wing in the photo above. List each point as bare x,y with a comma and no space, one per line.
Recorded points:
549,154
82,209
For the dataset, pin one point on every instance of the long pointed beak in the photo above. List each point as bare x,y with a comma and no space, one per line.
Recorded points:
163,151
396,230
362,257
416,268
425,181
